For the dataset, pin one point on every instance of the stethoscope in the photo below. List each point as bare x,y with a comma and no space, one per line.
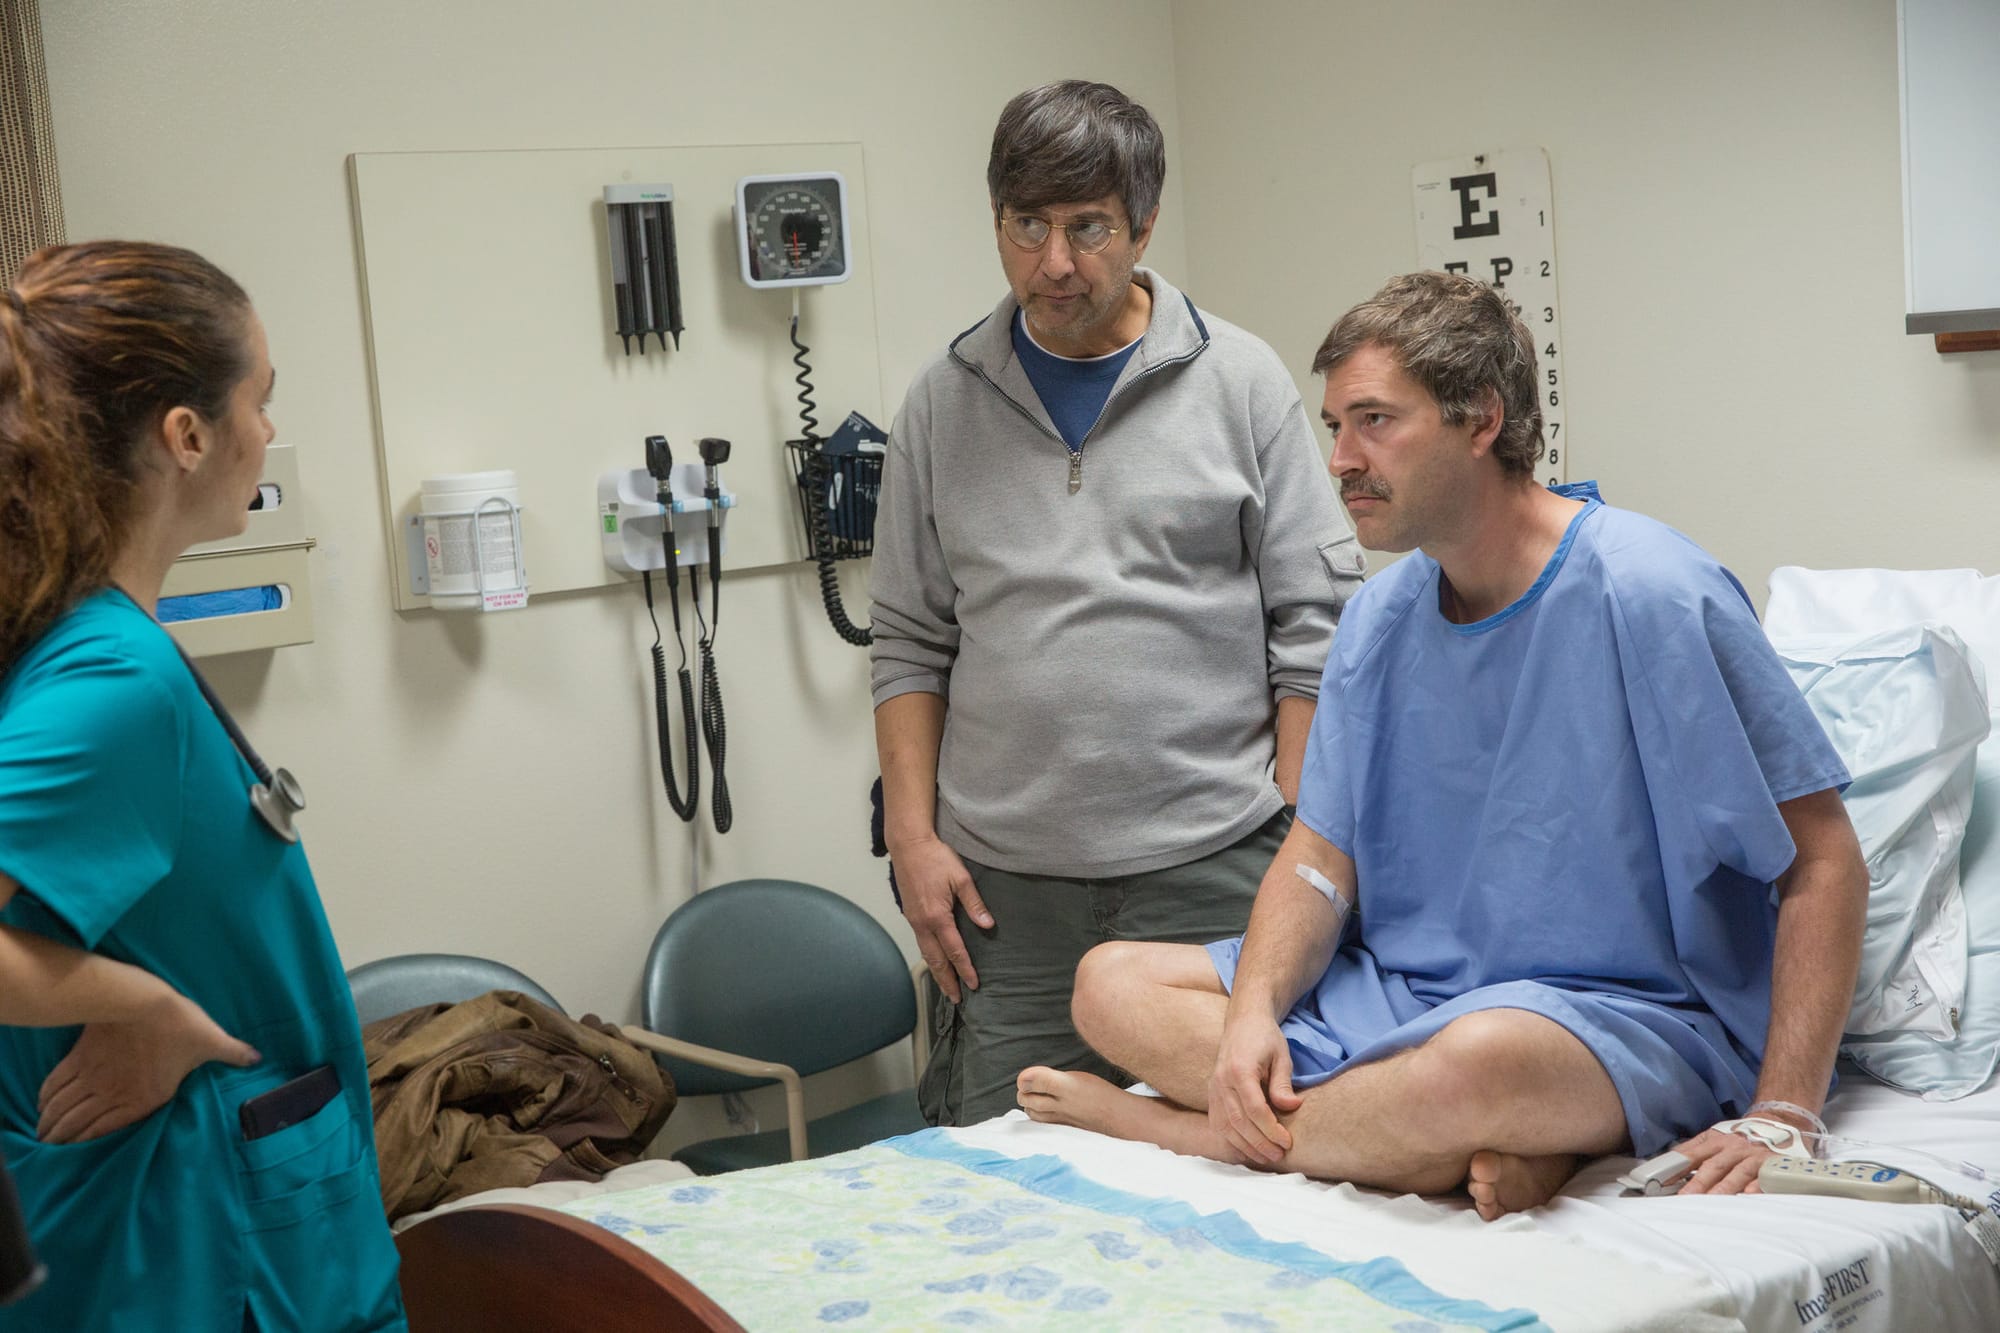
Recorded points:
276,795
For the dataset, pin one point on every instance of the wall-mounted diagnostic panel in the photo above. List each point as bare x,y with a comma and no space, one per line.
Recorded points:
558,400
791,231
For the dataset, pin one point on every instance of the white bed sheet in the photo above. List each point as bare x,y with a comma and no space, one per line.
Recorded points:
1598,1259
1892,1267
635,1175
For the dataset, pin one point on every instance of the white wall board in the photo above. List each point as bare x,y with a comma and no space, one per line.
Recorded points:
1951,164
492,340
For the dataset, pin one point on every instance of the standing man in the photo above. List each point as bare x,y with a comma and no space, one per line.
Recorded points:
1608,891
1107,571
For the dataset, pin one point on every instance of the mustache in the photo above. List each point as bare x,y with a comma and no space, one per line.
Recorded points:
1366,488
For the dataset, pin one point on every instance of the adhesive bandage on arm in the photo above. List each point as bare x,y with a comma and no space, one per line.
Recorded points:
1341,907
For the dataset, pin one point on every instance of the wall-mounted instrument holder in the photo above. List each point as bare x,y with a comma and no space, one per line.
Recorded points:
645,263
632,522
464,543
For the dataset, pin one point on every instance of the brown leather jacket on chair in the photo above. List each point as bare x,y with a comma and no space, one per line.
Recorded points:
503,1091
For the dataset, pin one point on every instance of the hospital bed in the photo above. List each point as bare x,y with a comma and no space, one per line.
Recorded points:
1014,1224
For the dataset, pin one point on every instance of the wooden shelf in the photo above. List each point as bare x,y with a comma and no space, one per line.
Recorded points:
1985,341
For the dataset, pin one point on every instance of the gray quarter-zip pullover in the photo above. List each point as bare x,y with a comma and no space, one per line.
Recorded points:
1111,656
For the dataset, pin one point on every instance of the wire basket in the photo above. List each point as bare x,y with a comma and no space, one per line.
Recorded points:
843,488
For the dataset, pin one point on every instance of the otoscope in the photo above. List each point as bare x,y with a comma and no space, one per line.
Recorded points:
714,453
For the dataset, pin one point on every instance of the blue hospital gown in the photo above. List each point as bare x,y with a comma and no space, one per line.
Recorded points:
1570,807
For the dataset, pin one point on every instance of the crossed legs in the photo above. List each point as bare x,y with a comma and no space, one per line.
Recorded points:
1501,1101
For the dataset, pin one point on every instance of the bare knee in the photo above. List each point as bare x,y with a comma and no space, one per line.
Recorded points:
1492,1068
1484,1037
1105,980
1464,1066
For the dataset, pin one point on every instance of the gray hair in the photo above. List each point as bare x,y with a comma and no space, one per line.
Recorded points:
1066,142
1457,337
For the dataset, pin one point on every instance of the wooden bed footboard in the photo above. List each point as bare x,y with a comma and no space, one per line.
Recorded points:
510,1268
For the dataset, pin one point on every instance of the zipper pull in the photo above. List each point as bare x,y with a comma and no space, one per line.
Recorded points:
1075,471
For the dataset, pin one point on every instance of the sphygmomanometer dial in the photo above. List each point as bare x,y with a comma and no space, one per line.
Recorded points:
792,230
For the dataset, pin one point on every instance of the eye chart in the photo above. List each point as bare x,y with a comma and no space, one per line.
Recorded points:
1492,216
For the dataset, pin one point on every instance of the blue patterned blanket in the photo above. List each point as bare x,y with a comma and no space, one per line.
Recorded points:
925,1232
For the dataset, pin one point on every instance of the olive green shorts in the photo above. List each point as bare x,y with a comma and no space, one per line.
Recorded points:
1042,927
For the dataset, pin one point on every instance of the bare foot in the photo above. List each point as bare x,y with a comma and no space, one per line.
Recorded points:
1069,1097
1502,1182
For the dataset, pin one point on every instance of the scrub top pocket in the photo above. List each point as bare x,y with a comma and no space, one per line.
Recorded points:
321,1258
302,1168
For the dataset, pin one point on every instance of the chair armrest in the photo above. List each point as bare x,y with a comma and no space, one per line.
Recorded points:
707,1056
711,1058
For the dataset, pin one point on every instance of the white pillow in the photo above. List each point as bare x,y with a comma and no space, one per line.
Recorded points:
1859,600
1905,709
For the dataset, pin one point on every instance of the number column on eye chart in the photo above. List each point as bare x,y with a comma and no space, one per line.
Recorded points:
1491,215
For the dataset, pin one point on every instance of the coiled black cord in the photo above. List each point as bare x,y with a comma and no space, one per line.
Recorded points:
714,729
807,407
822,535
716,733
829,581
662,720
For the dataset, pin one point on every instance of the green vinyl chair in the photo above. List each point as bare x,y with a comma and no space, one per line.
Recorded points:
766,981
391,985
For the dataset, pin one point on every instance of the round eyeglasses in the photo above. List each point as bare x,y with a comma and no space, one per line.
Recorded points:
1029,232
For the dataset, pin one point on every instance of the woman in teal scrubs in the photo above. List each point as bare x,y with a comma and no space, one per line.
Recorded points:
163,954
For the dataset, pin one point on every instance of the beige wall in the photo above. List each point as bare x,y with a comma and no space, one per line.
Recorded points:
1729,230
490,785
1728,235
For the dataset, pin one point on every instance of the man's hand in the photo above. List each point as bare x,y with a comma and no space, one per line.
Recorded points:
933,880
119,1073
1724,1163
1251,1086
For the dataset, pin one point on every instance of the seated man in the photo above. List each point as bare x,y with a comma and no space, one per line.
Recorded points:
1558,771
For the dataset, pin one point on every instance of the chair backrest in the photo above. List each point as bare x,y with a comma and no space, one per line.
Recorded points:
775,970
391,985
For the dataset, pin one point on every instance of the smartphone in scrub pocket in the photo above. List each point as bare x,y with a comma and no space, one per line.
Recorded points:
288,1103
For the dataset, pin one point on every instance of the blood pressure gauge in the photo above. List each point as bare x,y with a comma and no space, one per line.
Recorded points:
791,231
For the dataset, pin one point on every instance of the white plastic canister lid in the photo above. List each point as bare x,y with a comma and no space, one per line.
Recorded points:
502,481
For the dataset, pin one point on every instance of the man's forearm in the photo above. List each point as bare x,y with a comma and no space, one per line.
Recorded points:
1294,724
1822,912
1293,928
908,731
